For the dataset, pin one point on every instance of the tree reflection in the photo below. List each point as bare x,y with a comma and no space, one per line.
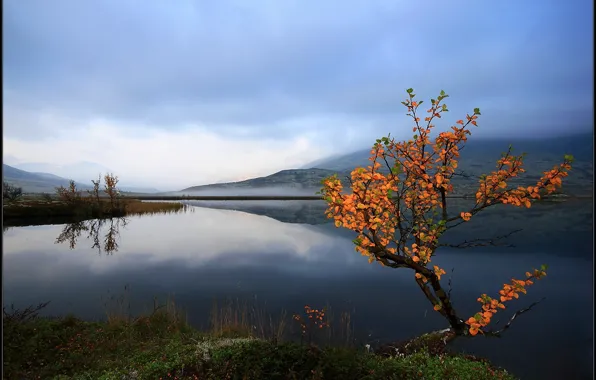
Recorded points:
103,232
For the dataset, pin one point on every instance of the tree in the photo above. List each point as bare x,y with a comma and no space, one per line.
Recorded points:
70,194
11,192
94,194
110,182
399,207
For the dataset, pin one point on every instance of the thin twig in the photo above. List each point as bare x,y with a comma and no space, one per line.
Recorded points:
497,333
449,283
483,242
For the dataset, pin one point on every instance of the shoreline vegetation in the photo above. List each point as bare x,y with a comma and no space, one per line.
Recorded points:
70,204
27,212
241,342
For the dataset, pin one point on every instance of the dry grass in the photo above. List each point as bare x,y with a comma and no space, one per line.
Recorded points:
118,311
237,318
136,207
16,212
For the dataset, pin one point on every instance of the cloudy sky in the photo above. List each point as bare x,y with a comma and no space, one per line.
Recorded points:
178,93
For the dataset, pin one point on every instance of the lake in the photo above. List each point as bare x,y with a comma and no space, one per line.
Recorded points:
285,254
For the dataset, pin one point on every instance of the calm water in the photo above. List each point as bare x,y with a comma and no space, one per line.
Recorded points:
286,255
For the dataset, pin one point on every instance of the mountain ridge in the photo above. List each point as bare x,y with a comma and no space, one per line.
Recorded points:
300,180
39,182
478,157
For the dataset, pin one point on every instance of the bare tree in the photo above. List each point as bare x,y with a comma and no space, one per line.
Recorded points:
11,192
95,192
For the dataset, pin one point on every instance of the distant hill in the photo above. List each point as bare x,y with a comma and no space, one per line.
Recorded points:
295,181
478,157
81,171
35,182
320,161
47,183
488,150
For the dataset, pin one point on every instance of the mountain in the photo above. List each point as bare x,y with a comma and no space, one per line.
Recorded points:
489,150
317,163
82,171
46,182
285,182
35,182
478,157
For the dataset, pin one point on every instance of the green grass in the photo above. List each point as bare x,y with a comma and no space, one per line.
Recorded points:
162,345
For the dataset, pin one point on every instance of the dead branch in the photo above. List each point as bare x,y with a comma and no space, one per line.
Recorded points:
483,242
463,174
497,333
22,315
450,283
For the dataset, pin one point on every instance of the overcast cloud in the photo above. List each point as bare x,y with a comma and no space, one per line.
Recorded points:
178,93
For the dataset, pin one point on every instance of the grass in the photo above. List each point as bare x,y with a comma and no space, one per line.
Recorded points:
161,345
27,210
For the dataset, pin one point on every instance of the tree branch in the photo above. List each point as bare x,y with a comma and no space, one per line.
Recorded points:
462,174
482,242
497,333
450,283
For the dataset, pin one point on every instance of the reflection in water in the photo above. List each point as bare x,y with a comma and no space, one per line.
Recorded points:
107,242
218,254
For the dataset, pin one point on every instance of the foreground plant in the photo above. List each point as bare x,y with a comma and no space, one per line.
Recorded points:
315,319
398,206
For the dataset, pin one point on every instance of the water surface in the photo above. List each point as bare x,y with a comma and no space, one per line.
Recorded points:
286,255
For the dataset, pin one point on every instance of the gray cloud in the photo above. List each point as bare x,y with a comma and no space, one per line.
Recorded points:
249,68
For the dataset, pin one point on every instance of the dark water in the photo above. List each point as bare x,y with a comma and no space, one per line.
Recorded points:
286,254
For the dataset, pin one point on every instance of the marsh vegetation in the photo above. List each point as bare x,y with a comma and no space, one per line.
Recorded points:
71,204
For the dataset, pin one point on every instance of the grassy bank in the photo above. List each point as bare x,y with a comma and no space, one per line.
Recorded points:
23,211
160,345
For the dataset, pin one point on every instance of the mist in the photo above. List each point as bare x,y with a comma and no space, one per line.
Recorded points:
250,191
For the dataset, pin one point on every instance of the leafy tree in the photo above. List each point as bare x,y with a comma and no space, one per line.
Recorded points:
11,192
70,194
401,211
110,182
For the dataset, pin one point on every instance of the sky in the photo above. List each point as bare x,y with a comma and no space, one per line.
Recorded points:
172,94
